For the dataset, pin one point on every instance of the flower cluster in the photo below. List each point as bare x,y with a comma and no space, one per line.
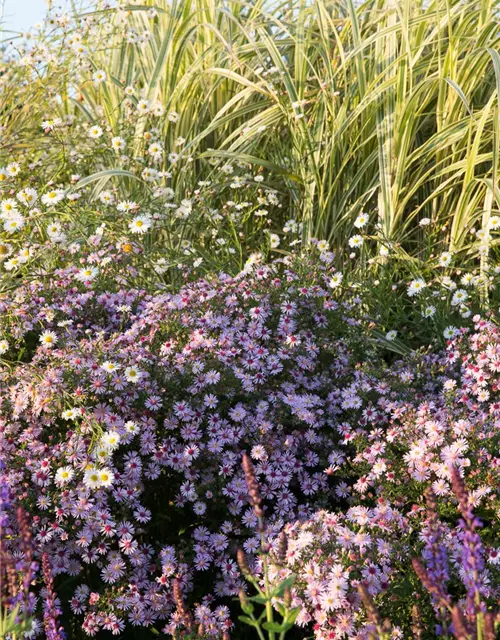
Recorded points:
125,405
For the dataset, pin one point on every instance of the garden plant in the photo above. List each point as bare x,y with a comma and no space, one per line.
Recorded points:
249,321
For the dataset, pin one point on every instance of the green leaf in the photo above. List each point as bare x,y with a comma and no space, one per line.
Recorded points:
274,626
104,176
280,589
292,615
247,620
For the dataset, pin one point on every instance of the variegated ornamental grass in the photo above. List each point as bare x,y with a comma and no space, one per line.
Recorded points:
384,107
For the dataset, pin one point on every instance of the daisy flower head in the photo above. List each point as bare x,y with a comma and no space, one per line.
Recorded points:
459,297
71,414
155,150
416,287
4,346
143,106
27,196
131,427
12,264
95,132
48,339
468,279
483,235
111,440
429,311
91,478
355,242
494,222
8,207
140,224
118,143
106,197
15,222
391,335
445,259
336,280
158,109
13,169
64,475
99,76
274,240
126,205
133,374
106,477
323,245
5,250
362,220
450,332
110,367
55,232
53,197
51,124
101,454
87,274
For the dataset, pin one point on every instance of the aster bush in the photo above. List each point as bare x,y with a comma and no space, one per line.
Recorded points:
125,415
124,404
410,441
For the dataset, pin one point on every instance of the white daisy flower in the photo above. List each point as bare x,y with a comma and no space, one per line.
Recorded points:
99,76
131,427
53,197
356,241
140,224
91,478
143,106
132,374
106,477
111,440
14,223
13,169
275,240
8,207
87,274
48,338
361,221
459,297
445,259
95,132
71,414
27,196
109,366
450,332
336,280
64,475
118,143
416,287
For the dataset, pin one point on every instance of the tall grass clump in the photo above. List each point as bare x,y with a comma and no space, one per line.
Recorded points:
388,108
